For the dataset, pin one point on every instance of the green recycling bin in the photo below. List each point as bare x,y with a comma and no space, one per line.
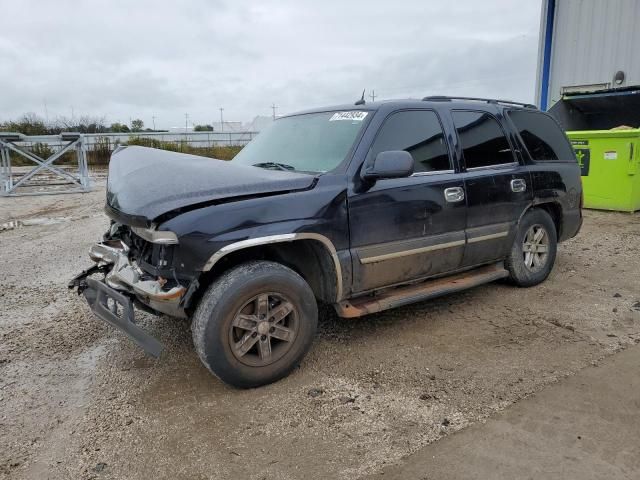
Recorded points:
610,165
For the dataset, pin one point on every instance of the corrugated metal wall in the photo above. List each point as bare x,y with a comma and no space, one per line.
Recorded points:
592,40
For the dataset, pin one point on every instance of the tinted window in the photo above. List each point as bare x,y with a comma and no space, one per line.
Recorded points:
541,135
417,132
483,142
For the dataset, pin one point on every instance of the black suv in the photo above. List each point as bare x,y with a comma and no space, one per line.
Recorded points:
365,207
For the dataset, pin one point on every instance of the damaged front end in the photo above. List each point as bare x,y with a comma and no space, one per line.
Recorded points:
126,275
133,268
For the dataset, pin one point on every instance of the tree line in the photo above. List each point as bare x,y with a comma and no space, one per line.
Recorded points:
32,124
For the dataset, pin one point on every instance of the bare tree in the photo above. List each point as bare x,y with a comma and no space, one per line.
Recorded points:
137,125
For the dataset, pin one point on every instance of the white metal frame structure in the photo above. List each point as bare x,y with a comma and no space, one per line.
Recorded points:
78,181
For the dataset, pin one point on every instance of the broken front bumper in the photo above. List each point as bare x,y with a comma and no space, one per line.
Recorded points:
112,299
128,277
116,309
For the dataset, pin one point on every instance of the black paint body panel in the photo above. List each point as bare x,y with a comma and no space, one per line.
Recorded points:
400,215
147,182
322,210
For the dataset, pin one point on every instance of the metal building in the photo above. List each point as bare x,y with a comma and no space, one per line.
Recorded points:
589,62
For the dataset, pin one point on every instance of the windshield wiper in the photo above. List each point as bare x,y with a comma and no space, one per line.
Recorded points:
278,166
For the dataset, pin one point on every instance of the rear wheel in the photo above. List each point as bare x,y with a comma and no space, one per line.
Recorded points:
255,323
533,252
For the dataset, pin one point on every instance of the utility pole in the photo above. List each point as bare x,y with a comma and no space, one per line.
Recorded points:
221,120
373,95
186,122
153,119
273,107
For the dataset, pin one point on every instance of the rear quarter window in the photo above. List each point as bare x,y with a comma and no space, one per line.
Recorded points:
541,136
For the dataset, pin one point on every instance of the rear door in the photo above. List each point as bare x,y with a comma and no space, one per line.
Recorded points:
404,229
497,186
555,172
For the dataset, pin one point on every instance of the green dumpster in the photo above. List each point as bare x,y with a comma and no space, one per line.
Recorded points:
610,164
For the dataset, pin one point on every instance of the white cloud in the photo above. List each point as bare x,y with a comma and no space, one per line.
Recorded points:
144,58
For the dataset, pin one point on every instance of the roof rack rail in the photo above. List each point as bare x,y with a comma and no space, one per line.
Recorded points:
444,98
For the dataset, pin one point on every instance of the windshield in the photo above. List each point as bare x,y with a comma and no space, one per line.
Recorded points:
315,142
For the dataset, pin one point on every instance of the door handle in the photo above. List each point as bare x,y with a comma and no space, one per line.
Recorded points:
518,185
453,194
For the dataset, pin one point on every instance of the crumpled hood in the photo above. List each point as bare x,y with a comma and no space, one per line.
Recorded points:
147,182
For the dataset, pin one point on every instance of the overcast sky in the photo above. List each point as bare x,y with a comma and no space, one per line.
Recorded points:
133,59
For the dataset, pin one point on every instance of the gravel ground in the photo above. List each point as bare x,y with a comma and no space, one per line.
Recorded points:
78,400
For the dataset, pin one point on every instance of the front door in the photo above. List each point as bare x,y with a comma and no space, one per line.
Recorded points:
497,186
409,228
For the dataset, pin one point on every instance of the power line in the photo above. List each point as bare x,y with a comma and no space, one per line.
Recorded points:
373,95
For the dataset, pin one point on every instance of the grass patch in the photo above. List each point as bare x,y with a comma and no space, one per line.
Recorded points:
219,152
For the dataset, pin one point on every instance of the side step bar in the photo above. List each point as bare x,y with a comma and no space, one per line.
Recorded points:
399,296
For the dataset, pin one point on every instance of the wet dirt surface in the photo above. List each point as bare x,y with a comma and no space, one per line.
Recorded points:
78,400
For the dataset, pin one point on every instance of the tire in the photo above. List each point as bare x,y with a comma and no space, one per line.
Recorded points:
237,330
524,270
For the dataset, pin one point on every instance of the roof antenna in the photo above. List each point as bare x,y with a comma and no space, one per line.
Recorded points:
361,101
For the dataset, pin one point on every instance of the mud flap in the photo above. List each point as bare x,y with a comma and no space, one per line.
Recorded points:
119,313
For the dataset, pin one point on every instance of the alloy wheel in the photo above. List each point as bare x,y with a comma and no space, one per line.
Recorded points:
535,248
263,330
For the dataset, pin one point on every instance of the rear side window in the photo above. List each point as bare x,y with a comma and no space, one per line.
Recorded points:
541,136
483,141
418,132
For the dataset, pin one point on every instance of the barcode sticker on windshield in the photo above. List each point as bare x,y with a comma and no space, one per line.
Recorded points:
353,116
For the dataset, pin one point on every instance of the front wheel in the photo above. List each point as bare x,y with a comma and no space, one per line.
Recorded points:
255,323
533,252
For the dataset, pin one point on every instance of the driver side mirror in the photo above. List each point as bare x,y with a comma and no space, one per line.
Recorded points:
391,164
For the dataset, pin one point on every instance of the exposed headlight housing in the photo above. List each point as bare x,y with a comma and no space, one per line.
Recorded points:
161,237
